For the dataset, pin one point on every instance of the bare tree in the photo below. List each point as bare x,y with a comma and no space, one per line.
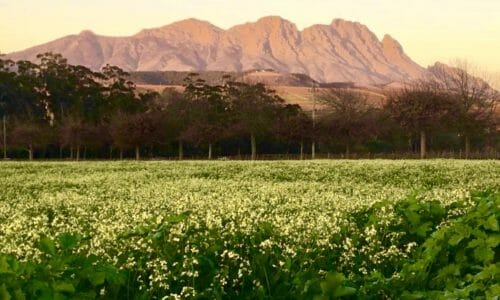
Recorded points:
30,136
347,117
293,125
71,134
474,100
134,130
420,107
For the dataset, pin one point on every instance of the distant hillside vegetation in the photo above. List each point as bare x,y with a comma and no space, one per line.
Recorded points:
268,77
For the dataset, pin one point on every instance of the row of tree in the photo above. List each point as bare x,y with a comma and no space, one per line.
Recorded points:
57,109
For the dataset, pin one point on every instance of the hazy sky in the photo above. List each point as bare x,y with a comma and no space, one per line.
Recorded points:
429,30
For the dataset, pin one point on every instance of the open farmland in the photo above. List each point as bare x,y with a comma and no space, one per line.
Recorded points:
300,95
231,230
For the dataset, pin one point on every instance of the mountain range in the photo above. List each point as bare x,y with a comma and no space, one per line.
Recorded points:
342,51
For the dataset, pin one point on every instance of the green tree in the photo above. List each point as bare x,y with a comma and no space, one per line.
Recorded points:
254,108
8,87
175,118
208,114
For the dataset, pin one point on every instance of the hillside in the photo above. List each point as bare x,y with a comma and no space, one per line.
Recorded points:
268,77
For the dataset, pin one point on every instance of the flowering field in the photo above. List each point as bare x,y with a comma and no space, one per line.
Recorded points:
226,230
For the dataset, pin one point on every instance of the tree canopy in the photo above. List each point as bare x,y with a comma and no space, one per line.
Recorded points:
53,109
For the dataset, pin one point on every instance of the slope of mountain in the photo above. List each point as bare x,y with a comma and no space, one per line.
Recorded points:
343,51
176,78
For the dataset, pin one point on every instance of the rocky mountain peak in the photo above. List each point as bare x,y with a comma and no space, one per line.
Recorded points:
390,44
193,23
274,21
345,26
85,33
343,51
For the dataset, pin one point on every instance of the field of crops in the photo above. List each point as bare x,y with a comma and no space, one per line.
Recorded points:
251,230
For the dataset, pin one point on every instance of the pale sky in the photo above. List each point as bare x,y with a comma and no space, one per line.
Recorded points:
429,30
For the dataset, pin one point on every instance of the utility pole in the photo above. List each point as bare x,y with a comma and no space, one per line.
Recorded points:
313,144
4,137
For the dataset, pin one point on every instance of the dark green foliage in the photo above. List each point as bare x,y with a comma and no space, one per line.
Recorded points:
62,273
459,260
456,256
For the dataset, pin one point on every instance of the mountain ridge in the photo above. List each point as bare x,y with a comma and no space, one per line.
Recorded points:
343,51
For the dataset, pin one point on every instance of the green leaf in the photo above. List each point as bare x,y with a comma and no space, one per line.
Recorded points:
58,296
449,270
47,246
63,287
19,295
475,243
177,218
423,229
159,235
335,279
412,217
493,291
493,240
325,287
437,210
5,266
488,272
484,254
113,276
455,239
332,282
4,294
491,223
344,291
68,241
97,278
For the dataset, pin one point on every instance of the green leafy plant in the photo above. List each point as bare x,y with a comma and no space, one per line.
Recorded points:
62,273
459,260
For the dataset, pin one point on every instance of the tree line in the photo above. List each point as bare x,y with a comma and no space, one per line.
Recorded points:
52,109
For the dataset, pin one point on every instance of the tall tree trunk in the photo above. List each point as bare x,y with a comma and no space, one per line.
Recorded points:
347,151
467,146
30,152
110,152
313,150
84,153
4,137
301,150
423,145
253,144
77,152
121,153
209,151
71,152
137,153
181,150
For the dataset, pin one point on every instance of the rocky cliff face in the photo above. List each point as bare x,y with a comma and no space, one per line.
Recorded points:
342,51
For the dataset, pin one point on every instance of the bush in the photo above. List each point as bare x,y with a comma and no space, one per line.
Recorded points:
428,250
